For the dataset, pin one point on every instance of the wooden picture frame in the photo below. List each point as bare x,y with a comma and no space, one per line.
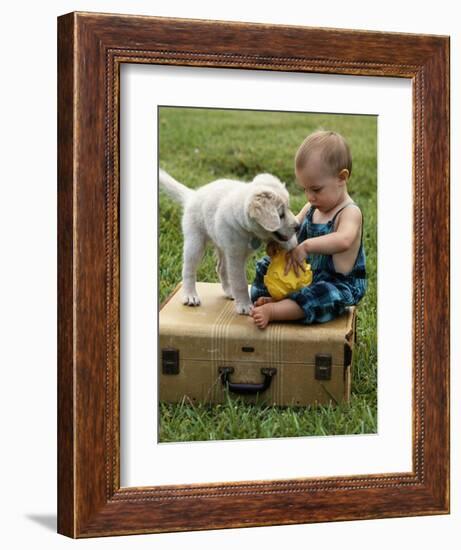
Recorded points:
91,48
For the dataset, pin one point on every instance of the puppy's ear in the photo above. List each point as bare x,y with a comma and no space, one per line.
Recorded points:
262,209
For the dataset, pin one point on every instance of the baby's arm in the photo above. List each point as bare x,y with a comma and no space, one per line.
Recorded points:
340,240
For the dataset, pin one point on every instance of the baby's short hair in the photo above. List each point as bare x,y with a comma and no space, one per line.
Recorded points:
334,151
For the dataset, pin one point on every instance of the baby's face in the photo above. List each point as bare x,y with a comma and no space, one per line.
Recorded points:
322,189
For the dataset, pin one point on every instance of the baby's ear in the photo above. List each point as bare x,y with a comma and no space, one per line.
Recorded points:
262,209
344,174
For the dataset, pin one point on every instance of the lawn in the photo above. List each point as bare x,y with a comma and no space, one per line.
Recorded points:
197,146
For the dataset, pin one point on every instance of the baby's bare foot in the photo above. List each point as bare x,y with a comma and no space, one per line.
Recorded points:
261,315
263,300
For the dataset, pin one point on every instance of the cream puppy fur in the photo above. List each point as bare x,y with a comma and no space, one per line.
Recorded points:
233,215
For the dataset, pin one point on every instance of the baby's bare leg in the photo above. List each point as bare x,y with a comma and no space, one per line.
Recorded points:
263,300
285,310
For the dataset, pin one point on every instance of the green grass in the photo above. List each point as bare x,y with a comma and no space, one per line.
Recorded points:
199,145
235,419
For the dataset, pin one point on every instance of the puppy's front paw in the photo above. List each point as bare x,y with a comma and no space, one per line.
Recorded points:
244,308
191,299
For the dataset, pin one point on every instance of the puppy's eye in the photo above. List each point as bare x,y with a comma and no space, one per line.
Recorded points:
282,215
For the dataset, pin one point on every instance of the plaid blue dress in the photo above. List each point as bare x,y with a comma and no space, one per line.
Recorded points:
330,292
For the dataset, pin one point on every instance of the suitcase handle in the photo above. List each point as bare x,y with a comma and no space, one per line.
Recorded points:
246,388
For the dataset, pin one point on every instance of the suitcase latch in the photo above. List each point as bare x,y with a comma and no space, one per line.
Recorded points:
170,361
323,366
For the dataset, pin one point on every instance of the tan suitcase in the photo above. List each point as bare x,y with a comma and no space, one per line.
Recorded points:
207,348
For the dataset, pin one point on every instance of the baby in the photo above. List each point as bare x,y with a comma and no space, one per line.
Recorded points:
330,237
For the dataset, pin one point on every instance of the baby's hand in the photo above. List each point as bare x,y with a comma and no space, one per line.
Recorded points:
295,258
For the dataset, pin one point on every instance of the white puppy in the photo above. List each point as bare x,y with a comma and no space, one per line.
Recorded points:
236,217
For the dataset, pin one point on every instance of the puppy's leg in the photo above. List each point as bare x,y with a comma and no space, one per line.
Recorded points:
194,247
221,270
238,282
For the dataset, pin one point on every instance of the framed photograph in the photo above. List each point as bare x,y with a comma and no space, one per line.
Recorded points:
248,141
253,286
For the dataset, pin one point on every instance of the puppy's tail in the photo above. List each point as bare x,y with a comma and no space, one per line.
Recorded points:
176,190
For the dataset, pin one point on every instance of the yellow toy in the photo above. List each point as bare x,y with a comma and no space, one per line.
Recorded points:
280,285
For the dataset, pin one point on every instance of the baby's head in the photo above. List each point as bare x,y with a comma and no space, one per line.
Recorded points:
323,164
